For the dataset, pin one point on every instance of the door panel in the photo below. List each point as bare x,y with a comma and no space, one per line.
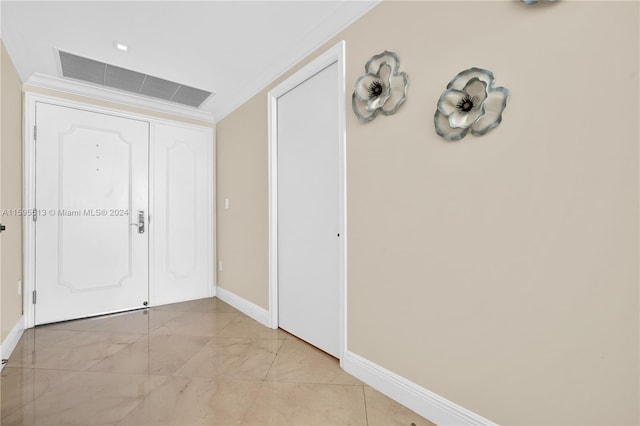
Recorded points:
182,228
91,182
308,210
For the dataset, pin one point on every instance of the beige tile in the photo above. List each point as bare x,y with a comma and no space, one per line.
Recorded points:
198,305
300,362
69,350
141,322
75,325
161,354
195,401
244,327
196,324
138,321
383,411
85,399
22,386
201,362
23,417
307,404
35,340
24,348
214,304
238,359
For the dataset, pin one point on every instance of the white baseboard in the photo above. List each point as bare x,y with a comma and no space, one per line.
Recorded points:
243,305
10,342
429,405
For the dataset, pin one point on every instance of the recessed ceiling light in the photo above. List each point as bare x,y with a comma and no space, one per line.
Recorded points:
120,46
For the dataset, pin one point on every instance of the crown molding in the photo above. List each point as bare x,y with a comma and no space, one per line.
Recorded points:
315,39
116,96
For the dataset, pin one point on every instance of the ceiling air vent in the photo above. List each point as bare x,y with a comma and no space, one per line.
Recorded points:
95,72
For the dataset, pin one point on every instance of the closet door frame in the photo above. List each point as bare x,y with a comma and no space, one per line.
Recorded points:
29,193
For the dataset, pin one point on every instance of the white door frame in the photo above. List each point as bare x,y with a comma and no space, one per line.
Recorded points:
333,55
29,193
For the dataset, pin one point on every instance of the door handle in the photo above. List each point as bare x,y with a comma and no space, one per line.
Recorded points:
140,223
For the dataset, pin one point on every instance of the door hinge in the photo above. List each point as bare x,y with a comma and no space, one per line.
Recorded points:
34,297
35,133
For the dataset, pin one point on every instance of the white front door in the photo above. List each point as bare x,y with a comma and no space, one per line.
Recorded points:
92,205
182,220
308,159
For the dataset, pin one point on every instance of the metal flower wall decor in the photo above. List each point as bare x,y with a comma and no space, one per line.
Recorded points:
470,103
533,1
381,89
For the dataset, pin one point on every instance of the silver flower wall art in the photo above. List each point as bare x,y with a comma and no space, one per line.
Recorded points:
533,1
381,89
470,103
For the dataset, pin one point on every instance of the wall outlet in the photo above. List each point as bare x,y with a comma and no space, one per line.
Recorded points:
226,204
220,265
19,287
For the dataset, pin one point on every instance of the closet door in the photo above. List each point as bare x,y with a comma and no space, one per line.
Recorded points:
308,209
91,196
182,219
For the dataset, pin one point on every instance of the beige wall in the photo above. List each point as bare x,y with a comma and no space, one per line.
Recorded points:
242,230
500,272
10,194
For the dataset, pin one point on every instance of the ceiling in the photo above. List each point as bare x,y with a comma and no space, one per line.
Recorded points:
232,48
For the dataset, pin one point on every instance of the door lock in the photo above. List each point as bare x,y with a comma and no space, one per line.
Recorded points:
140,223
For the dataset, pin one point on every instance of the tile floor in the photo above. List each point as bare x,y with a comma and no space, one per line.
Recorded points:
191,363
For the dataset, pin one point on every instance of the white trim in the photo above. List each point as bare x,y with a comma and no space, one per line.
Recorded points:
243,305
30,100
429,405
336,54
342,197
272,157
151,228
119,97
12,339
28,203
211,232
